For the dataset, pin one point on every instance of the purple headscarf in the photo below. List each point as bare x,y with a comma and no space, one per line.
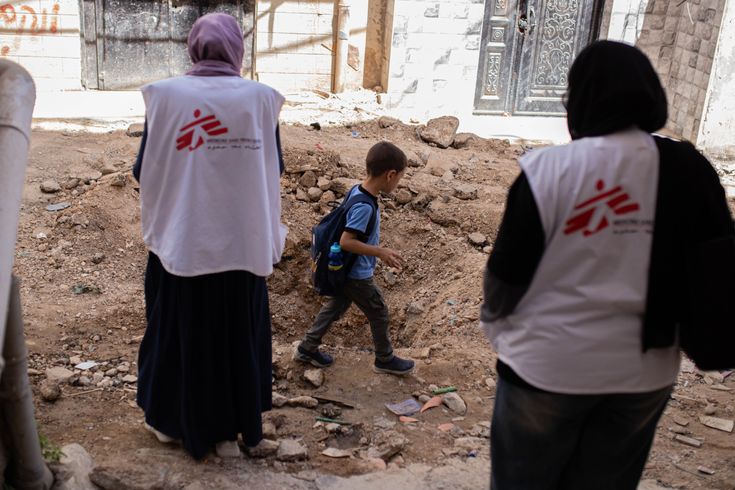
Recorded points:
216,46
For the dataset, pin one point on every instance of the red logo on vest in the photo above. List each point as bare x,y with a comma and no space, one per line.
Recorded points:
615,199
193,137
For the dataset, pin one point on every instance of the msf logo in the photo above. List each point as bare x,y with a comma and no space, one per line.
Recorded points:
591,215
193,134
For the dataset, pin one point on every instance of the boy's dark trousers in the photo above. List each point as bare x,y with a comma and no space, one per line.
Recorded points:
366,295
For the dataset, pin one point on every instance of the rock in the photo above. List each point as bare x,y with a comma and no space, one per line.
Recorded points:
315,377
387,444
59,375
424,398
490,383
440,131
50,187
105,383
331,411
438,166
487,249
50,391
465,192
442,214
415,308
73,469
270,431
387,121
74,360
469,443
323,183
414,160
278,400
128,478
119,180
372,465
328,197
477,239
301,195
291,450
97,377
404,196
264,449
425,353
390,278
107,170
70,183
464,140
92,176
304,401
481,430
455,403
84,381
710,409
447,177
383,423
135,130
308,179
130,378
341,185
123,368
689,441
110,373
332,427
333,452
314,193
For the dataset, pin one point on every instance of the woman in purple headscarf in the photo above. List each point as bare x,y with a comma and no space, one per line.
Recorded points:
209,169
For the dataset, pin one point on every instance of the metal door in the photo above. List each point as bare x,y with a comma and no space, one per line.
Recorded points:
527,49
127,43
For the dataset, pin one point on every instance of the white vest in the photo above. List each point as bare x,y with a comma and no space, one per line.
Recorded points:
210,178
578,329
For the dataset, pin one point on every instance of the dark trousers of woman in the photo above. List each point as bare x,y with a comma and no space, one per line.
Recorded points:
547,441
205,360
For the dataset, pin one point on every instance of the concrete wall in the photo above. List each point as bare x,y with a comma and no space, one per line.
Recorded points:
43,36
294,43
434,56
718,121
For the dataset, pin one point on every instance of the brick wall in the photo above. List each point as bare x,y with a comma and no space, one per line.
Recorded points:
43,36
434,55
681,41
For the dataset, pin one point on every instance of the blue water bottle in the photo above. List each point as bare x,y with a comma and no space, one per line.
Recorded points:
335,257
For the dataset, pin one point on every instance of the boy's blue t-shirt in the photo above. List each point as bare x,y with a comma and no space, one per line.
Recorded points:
358,218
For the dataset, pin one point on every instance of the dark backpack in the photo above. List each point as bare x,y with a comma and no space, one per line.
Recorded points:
329,231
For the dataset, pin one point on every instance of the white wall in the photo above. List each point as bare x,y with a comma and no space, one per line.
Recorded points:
626,20
717,131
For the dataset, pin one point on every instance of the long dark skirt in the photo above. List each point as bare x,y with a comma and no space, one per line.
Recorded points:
205,360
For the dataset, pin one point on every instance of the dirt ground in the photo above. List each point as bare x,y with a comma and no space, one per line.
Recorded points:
82,271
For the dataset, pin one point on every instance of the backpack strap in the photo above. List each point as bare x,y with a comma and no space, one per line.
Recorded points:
354,198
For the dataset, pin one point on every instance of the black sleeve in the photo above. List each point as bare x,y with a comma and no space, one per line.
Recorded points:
139,159
281,165
516,254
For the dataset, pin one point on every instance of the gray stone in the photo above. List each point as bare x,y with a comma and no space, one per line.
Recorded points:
387,121
441,214
439,166
328,197
477,239
111,372
331,411
323,183
304,401
291,450
424,398
130,378
119,180
92,176
264,449
390,278
415,308
73,469
314,193
105,383
315,377
278,400
301,195
50,391
135,130
270,431
490,383
308,179
70,183
84,381
464,140
404,196
465,192
455,403
127,478
59,374
50,187
98,258
481,430
387,444
440,131
341,185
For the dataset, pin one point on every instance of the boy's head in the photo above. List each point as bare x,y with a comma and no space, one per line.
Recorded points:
387,163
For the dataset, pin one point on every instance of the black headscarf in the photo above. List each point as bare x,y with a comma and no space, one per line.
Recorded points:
612,86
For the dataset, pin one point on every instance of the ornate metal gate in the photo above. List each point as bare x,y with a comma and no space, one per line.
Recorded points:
527,49
127,43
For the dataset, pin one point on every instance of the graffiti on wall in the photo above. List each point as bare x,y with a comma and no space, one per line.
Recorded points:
20,21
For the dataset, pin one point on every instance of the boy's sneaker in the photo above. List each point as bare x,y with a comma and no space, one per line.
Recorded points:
318,359
394,366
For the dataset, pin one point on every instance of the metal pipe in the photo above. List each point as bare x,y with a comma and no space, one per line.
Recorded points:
341,46
17,97
26,468
21,452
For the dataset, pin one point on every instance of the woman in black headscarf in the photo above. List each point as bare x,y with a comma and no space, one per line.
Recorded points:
581,304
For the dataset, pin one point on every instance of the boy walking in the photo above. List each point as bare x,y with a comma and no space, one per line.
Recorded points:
385,166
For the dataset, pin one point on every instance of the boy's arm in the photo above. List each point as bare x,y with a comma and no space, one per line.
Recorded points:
350,243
